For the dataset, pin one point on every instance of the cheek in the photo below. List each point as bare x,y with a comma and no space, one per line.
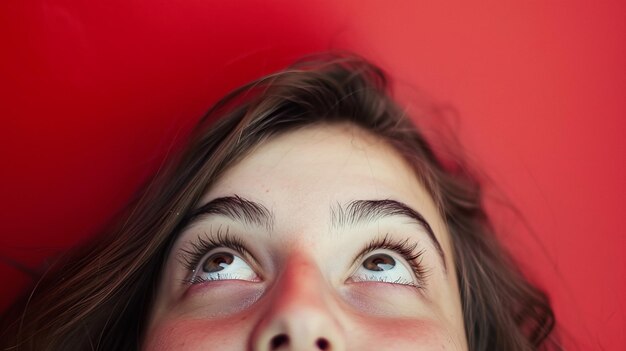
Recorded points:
198,334
404,334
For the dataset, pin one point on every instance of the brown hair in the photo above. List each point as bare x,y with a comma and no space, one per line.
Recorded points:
98,297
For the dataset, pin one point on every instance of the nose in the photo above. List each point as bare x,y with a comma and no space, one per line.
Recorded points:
299,315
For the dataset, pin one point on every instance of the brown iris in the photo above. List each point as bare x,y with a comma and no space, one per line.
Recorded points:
217,262
379,262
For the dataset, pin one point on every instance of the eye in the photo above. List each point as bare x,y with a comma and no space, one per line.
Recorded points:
222,264
382,266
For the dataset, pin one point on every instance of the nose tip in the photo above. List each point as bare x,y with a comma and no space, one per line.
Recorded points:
299,315
298,325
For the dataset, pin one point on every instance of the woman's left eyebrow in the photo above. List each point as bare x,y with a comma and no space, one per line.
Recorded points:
363,211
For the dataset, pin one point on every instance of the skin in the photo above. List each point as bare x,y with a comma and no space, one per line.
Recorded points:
302,292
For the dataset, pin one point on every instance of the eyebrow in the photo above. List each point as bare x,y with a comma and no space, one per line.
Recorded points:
237,209
356,212
364,211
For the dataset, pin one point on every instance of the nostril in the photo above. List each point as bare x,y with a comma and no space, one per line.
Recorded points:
279,341
322,344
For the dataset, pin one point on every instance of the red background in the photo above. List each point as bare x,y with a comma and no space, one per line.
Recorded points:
93,94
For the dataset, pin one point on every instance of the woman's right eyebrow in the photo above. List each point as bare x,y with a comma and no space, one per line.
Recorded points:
356,212
235,208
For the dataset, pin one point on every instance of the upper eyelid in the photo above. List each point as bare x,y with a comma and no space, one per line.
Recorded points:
385,243
193,247
413,247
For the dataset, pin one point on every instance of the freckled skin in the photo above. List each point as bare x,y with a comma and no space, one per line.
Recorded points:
304,291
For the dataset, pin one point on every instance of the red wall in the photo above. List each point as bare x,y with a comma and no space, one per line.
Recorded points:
92,95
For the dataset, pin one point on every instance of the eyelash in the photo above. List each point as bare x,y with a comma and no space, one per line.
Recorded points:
405,248
190,258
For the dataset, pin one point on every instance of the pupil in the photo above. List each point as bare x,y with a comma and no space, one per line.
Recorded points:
217,262
379,262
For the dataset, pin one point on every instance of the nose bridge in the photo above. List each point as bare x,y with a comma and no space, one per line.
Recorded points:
301,285
299,315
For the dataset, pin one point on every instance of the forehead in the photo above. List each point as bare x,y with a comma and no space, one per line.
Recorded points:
300,174
314,160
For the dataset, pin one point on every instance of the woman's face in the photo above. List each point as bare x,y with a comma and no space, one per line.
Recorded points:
320,239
